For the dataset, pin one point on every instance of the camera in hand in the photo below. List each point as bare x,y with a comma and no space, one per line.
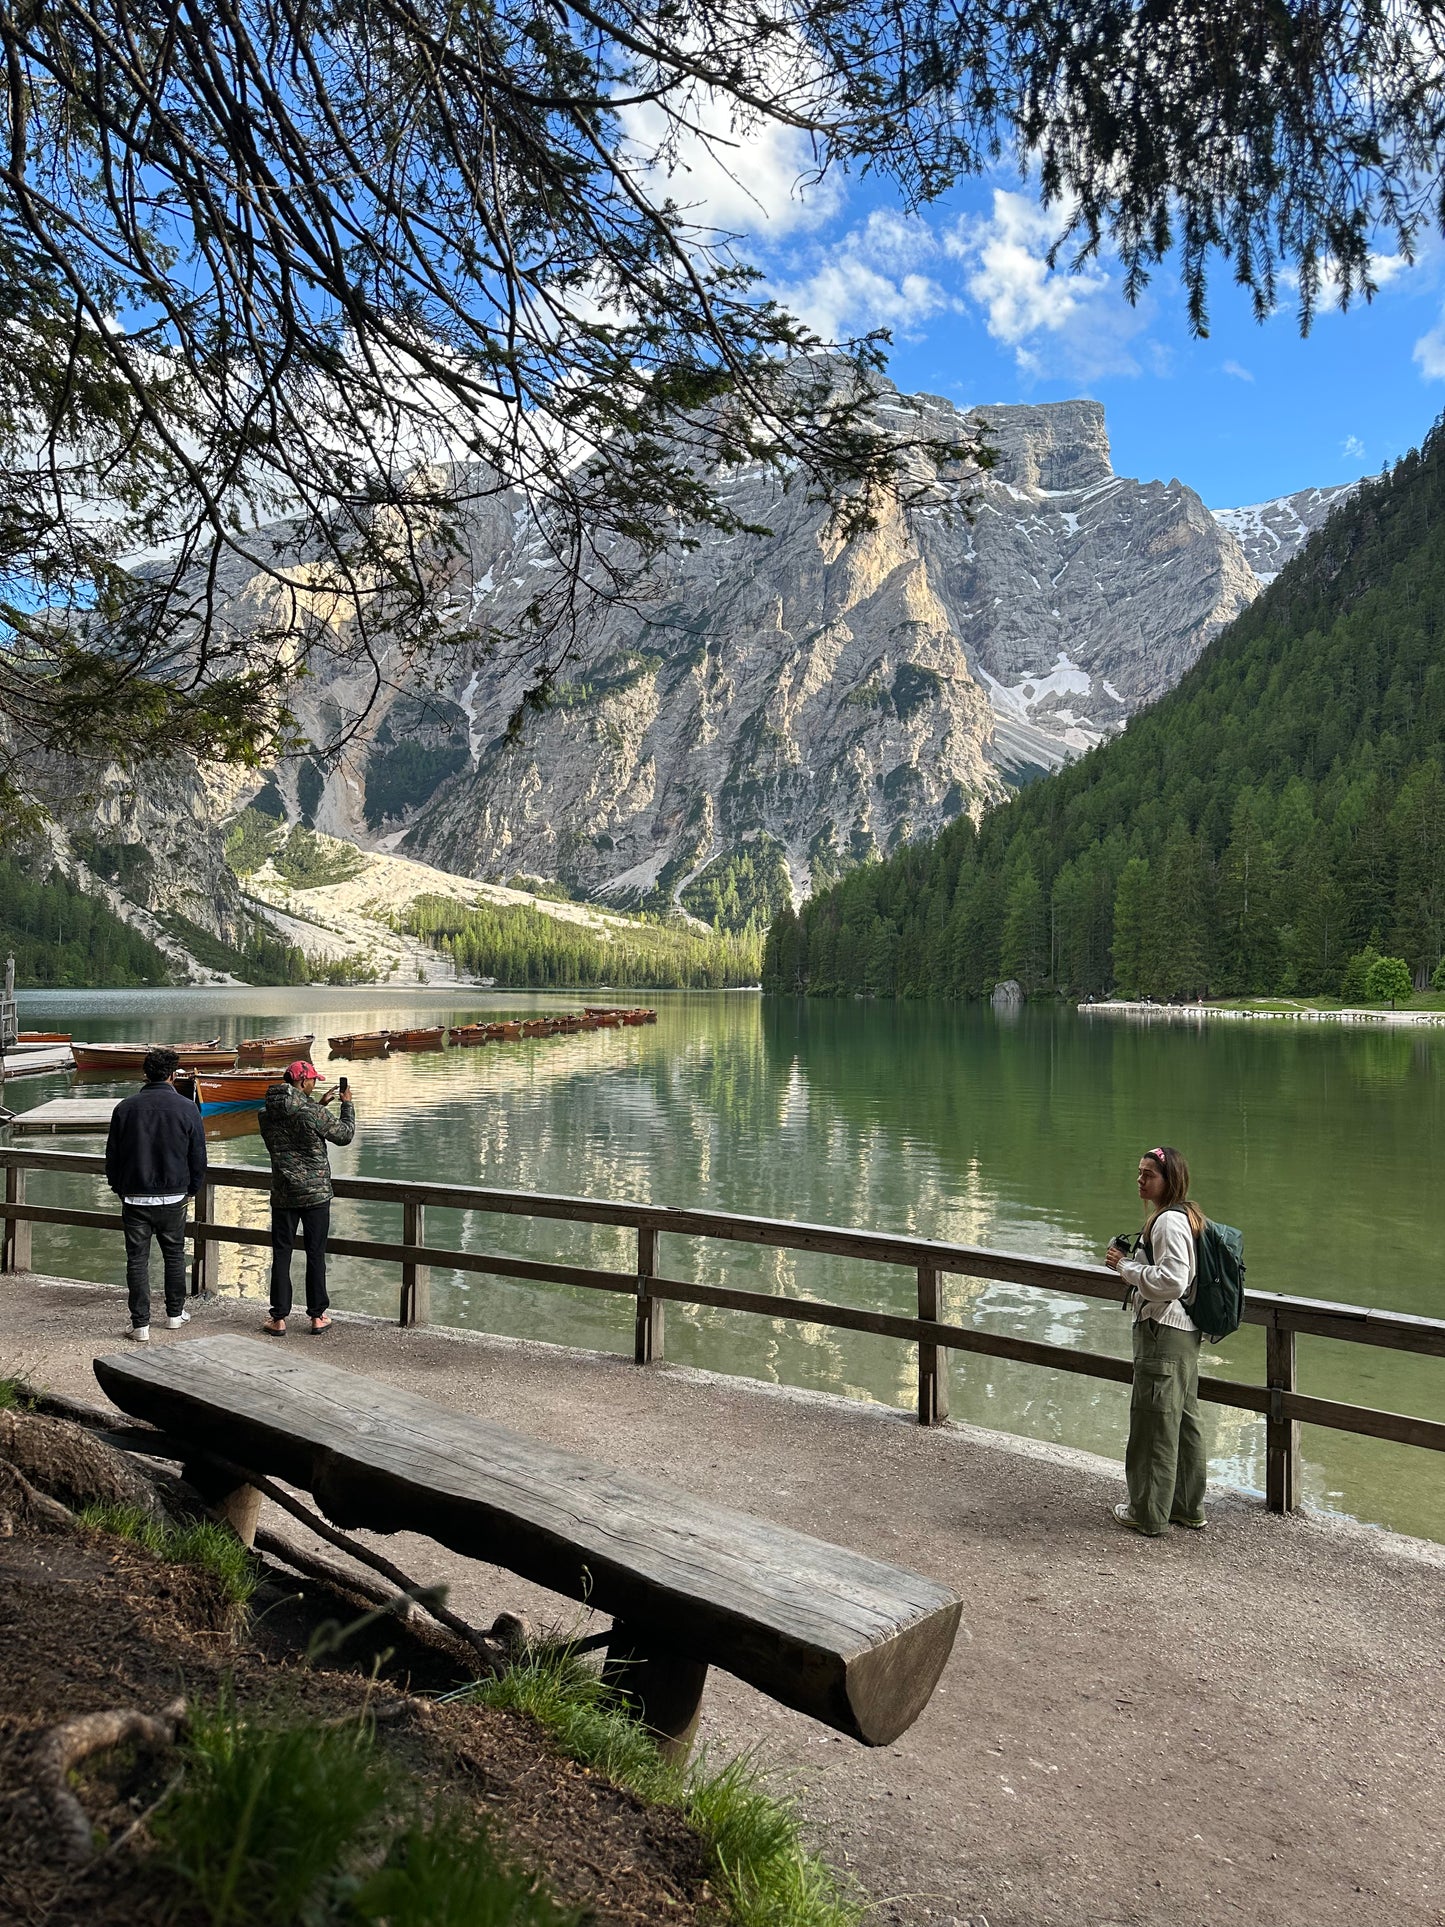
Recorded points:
1121,1241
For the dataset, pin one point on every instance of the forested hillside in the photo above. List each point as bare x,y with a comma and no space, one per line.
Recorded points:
520,946
60,936
1272,818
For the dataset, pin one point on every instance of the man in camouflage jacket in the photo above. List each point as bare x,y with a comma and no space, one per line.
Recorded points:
296,1130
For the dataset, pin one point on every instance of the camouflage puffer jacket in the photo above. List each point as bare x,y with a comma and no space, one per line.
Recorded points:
296,1130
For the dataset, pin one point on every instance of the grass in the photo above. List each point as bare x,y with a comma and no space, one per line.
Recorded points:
212,1547
13,1395
308,1826
753,1835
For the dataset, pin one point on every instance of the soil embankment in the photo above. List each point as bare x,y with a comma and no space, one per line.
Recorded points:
1239,1727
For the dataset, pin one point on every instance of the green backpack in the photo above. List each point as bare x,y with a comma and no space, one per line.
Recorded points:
1216,1303
1216,1300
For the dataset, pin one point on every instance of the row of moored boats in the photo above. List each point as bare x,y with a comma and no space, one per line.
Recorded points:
227,1077
379,1043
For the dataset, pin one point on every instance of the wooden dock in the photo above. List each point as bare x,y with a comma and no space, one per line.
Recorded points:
34,1061
67,1114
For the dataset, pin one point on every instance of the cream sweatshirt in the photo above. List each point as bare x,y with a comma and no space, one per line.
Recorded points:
1157,1288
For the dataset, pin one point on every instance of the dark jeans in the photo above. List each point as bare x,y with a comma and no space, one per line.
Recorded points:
313,1224
168,1222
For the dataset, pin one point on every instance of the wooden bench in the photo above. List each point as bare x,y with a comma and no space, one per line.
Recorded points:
854,1643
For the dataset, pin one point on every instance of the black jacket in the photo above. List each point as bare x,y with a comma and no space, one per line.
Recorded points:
156,1147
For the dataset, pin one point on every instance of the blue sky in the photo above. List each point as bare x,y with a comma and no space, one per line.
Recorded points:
1254,411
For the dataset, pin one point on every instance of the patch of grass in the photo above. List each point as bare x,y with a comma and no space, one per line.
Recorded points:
270,1823
13,1396
450,1874
305,1826
760,1862
212,1547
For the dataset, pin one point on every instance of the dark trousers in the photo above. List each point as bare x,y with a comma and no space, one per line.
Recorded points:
313,1224
168,1223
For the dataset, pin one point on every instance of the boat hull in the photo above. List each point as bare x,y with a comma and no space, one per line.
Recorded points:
131,1057
218,1091
360,1043
432,1038
273,1050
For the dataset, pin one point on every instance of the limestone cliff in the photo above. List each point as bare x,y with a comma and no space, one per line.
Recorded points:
836,698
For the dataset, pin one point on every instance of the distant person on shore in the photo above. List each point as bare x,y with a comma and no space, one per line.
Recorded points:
297,1130
155,1158
1165,1461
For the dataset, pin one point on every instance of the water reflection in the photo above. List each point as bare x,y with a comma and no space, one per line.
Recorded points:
935,1120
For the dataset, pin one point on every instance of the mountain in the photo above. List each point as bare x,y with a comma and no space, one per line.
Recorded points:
783,707
1265,827
1273,533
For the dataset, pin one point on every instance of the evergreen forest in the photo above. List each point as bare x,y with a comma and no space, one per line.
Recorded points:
61,937
1266,828
521,946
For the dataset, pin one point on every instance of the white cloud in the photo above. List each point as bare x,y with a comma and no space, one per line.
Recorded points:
742,177
1239,373
1352,448
872,278
1056,321
1430,353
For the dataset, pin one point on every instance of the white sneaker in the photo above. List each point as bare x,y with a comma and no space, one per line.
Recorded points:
174,1324
141,1334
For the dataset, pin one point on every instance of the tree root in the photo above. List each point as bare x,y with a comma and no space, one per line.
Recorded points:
20,1500
61,1749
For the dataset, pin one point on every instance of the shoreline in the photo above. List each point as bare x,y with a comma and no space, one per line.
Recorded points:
1305,1014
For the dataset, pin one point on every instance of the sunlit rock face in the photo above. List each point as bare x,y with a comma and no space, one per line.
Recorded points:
839,697
816,697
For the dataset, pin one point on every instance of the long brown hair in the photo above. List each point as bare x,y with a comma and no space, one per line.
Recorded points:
1176,1186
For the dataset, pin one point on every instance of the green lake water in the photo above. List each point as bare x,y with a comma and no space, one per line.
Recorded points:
942,1120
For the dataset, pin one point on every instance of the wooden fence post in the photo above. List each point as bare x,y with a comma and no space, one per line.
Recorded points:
15,1249
1281,1434
415,1279
647,1340
932,1360
206,1258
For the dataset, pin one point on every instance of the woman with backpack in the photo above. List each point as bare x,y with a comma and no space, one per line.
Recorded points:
1165,1462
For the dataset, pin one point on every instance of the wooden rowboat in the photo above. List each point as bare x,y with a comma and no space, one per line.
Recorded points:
469,1033
432,1037
42,1037
232,1090
274,1050
131,1057
535,1027
360,1043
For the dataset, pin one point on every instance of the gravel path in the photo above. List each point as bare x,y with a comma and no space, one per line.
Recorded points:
1241,1726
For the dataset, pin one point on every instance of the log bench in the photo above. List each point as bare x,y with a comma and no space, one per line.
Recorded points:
855,1643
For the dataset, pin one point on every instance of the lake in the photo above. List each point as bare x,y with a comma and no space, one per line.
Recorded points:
941,1120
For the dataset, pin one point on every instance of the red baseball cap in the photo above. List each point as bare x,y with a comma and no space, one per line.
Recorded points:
301,1069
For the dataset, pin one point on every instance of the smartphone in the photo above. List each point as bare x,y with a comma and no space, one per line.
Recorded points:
343,1087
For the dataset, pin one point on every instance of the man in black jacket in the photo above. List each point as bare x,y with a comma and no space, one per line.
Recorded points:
155,1158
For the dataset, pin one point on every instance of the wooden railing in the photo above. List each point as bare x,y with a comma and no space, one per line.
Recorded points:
1283,1406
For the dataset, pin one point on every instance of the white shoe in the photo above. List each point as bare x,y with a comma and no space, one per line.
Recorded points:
141,1334
174,1324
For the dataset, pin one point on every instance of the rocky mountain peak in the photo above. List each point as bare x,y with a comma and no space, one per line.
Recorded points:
1052,448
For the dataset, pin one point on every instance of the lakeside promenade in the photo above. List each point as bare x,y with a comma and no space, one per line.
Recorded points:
1240,1726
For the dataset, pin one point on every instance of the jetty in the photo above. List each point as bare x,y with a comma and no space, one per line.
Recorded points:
66,1114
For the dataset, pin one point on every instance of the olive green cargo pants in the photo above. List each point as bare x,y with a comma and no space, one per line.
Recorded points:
1165,1461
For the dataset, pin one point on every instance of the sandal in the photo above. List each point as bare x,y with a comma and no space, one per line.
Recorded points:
275,1328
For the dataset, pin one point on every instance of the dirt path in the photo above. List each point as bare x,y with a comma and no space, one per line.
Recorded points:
1238,1727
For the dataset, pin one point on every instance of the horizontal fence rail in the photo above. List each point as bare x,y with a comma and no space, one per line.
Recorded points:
1283,1406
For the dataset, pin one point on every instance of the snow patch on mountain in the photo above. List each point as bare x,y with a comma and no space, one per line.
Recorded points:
1273,533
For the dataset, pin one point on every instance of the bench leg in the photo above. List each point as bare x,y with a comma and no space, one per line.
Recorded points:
665,1687
238,1505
